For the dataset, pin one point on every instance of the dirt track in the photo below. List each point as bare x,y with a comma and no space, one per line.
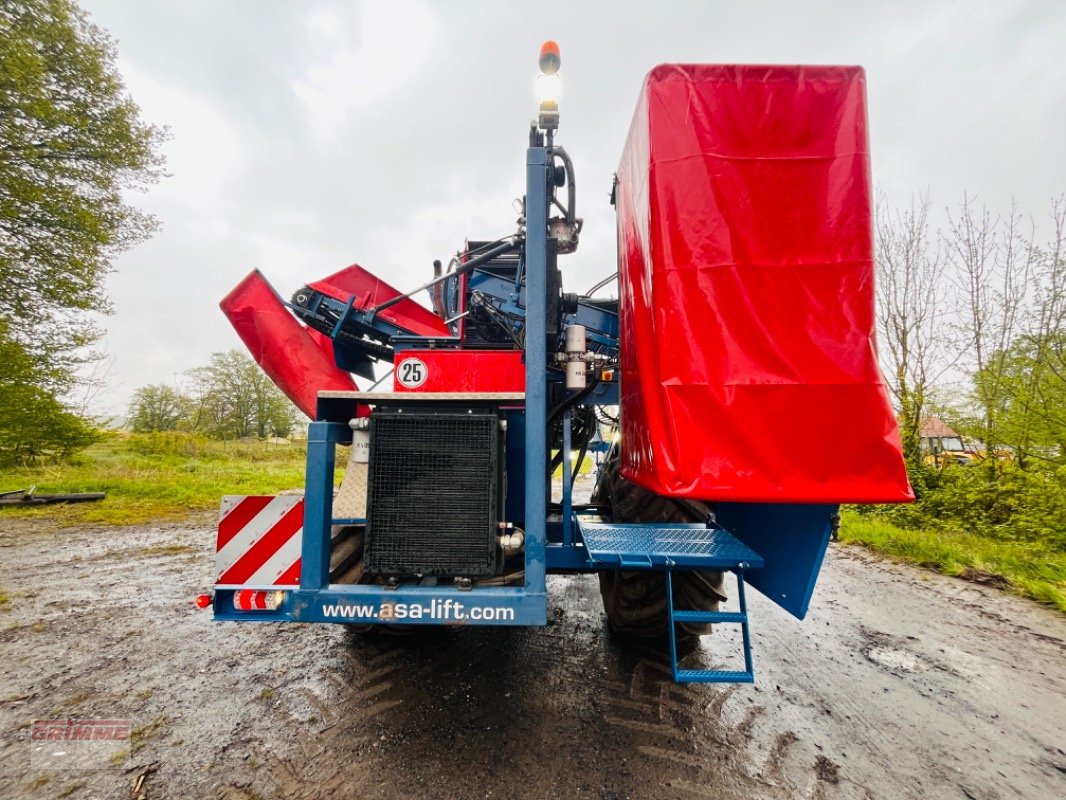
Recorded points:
900,684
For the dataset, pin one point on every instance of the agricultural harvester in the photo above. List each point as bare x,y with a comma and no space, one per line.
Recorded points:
735,374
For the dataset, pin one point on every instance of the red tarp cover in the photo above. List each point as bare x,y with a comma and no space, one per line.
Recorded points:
749,368
369,291
300,365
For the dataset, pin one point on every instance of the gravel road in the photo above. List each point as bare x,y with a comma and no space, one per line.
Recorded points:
900,684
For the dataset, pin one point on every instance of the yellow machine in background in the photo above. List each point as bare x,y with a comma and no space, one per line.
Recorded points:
942,446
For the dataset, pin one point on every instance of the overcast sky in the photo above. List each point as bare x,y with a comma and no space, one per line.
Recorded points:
308,136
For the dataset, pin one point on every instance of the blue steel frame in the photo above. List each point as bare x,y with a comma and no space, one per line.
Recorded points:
319,601
601,326
791,538
536,268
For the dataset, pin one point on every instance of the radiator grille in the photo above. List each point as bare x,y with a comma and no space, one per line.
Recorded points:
432,504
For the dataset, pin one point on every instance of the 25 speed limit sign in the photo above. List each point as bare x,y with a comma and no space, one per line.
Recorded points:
412,373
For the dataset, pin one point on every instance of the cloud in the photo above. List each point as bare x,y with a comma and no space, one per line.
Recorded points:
307,136
206,148
362,54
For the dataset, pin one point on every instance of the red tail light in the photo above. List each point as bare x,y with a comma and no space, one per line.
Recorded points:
252,600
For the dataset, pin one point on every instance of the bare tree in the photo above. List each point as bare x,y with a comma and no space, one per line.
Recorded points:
1038,402
914,313
992,262
1048,316
95,377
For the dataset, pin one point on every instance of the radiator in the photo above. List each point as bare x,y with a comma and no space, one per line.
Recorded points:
434,492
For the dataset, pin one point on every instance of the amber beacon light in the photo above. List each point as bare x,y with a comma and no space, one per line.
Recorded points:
549,86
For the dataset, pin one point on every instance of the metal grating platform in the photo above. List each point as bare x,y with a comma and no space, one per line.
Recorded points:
646,546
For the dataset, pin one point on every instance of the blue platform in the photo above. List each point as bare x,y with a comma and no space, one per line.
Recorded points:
672,547
653,545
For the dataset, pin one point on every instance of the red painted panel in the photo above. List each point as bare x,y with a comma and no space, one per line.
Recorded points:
749,368
281,345
459,371
325,344
369,291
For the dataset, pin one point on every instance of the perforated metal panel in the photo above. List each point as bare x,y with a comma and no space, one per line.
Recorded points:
434,492
646,545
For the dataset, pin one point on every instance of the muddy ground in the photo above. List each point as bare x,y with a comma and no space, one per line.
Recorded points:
899,684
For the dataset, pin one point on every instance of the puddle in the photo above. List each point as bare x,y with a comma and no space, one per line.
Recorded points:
898,660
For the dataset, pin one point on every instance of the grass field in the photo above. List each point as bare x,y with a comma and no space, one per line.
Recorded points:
1029,569
158,477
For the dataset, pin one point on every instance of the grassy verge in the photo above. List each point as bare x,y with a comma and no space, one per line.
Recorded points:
1029,569
154,478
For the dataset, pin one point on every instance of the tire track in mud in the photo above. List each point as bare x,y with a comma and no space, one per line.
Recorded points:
694,734
345,709
899,685
408,717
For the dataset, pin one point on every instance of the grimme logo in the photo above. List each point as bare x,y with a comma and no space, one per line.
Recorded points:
81,729
78,743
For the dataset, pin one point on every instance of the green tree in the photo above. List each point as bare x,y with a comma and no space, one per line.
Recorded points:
1030,398
157,408
234,399
71,142
34,423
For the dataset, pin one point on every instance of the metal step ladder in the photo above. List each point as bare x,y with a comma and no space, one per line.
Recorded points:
734,617
671,547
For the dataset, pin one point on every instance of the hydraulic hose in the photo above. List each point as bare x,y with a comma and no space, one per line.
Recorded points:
571,184
572,401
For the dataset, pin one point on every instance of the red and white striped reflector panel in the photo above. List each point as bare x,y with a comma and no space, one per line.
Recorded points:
259,541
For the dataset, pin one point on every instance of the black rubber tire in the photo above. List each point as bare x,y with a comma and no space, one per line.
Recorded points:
635,600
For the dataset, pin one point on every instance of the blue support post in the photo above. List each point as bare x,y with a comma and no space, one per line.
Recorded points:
343,317
536,510
568,500
322,438
749,668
